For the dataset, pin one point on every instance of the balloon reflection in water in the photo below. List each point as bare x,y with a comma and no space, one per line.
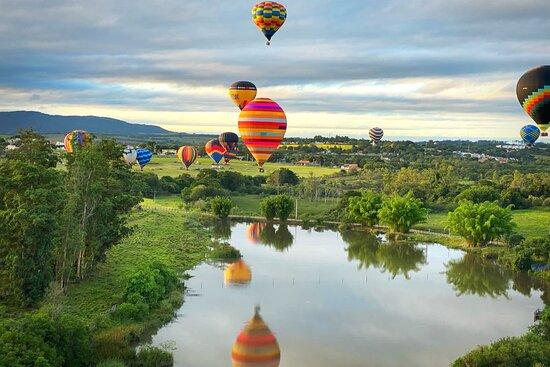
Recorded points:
396,258
237,273
253,231
256,346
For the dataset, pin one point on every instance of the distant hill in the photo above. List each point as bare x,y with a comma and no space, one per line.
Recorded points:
12,122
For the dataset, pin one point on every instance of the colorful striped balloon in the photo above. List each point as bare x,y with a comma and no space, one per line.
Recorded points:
215,150
376,134
76,139
229,141
129,154
187,155
268,16
533,92
262,124
237,273
242,92
529,134
256,346
143,157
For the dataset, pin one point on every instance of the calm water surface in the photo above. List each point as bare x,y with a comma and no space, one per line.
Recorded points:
350,299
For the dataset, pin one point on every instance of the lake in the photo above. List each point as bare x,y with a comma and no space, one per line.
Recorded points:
348,299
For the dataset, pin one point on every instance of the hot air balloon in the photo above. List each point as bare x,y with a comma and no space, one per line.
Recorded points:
256,346
529,134
143,157
242,92
187,155
237,273
269,16
376,134
76,139
253,232
262,124
229,141
130,155
533,91
215,150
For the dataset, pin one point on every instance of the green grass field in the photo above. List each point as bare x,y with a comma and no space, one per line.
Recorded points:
171,166
531,222
326,146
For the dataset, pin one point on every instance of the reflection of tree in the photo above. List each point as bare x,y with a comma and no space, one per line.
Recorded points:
396,258
280,239
525,283
474,275
221,230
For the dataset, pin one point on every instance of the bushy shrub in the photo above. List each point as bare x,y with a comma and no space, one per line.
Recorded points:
480,223
400,213
132,311
283,176
149,356
280,206
38,339
478,194
150,285
111,363
221,206
364,209
224,251
203,192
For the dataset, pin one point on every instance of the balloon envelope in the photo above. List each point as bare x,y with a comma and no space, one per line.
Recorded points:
253,231
130,155
242,92
76,139
237,273
215,150
376,134
529,134
187,155
268,16
533,92
143,157
256,346
229,141
262,124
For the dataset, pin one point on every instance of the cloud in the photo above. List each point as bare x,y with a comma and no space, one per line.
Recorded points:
453,61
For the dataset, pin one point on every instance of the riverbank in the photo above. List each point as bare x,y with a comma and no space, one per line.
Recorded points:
175,239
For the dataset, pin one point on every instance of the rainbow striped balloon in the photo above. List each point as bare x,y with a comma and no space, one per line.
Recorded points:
376,134
268,16
215,150
262,124
256,346
76,139
187,155
533,92
529,134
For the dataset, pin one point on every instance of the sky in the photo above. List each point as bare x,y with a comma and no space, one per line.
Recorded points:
419,69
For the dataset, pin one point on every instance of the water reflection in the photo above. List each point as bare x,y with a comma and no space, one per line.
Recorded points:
256,346
279,238
394,257
253,231
221,229
473,274
237,273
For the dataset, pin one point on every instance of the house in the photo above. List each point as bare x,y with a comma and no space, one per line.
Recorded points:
303,163
350,167
166,152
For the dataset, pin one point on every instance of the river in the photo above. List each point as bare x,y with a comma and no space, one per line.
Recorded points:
348,299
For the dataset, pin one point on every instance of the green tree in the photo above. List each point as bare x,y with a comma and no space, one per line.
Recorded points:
31,198
478,194
221,206
480,223
364,209
400,213
283,176
280,206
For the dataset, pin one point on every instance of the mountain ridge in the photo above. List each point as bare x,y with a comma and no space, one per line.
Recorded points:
13,121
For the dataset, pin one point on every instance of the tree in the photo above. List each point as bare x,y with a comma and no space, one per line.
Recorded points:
280,206
478,194
221,206
31,198
480,223
283,176
365,208
400,213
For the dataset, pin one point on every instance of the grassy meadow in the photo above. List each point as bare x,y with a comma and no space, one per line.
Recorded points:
171,166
